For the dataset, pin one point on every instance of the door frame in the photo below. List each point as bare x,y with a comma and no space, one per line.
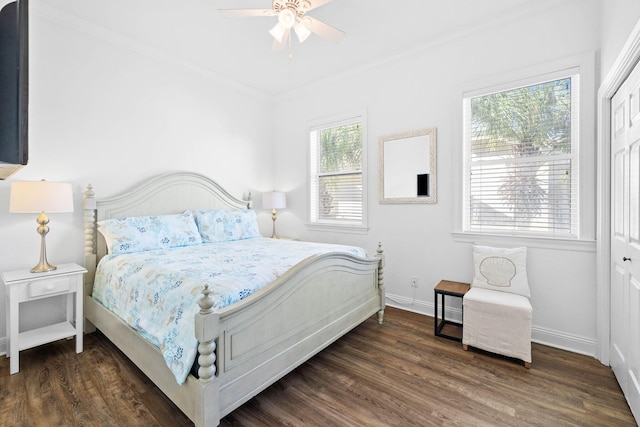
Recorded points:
628,57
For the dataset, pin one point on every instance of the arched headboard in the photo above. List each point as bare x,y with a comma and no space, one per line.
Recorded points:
169,193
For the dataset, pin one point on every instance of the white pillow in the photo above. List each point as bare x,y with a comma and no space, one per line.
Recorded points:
501,269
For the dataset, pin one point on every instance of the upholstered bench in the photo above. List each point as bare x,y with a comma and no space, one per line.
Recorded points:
499,322
497,311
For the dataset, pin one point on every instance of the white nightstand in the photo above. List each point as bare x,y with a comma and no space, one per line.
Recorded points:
22,286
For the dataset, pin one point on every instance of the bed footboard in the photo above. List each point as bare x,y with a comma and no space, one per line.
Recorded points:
268,334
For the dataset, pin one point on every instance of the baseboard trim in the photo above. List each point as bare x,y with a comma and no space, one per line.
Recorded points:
564,341
416,306
552,338
540,335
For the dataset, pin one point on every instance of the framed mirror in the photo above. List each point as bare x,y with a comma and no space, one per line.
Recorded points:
408,167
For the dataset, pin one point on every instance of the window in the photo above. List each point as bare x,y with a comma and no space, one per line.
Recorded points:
337,183
521,157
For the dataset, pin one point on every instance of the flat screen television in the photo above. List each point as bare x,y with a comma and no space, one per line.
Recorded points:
14,86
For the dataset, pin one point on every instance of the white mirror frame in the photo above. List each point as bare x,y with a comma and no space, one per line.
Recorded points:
407,155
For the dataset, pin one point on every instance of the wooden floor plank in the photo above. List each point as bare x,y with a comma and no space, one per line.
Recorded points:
394,374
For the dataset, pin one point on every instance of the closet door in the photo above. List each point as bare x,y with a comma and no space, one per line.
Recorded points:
625,239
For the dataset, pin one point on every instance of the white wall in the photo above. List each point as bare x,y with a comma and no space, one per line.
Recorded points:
105,114
418,90
618,17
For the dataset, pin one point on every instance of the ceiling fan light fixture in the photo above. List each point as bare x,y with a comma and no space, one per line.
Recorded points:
292,14
302,31
278,32
287,18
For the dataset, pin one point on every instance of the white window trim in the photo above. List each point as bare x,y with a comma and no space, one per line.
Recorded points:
332,121
584,64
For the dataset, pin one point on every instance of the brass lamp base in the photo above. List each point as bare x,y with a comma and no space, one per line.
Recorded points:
43,266
273,217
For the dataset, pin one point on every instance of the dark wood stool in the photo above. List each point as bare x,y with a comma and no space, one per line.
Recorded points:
454,289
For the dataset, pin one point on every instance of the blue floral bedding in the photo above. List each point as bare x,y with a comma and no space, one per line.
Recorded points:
156,291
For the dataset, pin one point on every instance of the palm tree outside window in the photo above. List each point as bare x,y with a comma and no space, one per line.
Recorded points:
337,185
521,159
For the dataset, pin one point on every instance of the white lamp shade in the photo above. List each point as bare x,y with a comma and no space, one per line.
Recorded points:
278,32
302,31
40,196
274,200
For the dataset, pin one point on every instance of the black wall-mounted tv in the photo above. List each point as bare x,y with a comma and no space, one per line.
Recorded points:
14,87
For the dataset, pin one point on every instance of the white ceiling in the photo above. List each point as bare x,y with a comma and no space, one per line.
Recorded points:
239,49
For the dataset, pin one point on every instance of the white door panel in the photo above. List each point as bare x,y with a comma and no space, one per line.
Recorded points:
618,199
625,239
619,333
634,193
633,360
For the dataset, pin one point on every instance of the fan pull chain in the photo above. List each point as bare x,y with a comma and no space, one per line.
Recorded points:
290,67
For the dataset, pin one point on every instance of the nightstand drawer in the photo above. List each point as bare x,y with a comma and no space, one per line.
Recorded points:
47,287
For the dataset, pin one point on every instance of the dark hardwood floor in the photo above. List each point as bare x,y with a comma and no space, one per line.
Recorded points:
395,374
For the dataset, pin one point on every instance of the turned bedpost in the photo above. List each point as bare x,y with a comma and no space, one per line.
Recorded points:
206,406
206,334
89,208
381,257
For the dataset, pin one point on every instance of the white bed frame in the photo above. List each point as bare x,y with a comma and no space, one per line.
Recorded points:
249,345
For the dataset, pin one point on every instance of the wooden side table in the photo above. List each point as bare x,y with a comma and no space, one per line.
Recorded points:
454,289
23,286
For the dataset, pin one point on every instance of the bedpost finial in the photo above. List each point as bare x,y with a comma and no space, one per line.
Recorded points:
89,192
89,202
206,302
380,255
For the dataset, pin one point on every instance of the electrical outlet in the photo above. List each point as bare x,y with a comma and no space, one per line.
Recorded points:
413,280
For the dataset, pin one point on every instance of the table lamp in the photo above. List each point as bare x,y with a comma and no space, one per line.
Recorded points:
274,200
40,197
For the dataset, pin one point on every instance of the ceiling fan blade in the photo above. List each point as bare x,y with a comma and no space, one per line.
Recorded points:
315,3
325,31
246,12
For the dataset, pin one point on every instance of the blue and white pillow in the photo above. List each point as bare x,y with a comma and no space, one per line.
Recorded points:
146,233
226,225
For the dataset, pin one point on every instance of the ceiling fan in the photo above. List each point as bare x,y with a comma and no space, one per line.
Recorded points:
292,14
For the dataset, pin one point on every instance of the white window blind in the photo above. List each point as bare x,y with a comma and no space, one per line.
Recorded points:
521,162
336,181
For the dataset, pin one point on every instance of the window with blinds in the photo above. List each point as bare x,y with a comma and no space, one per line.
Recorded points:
521,160
336,169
